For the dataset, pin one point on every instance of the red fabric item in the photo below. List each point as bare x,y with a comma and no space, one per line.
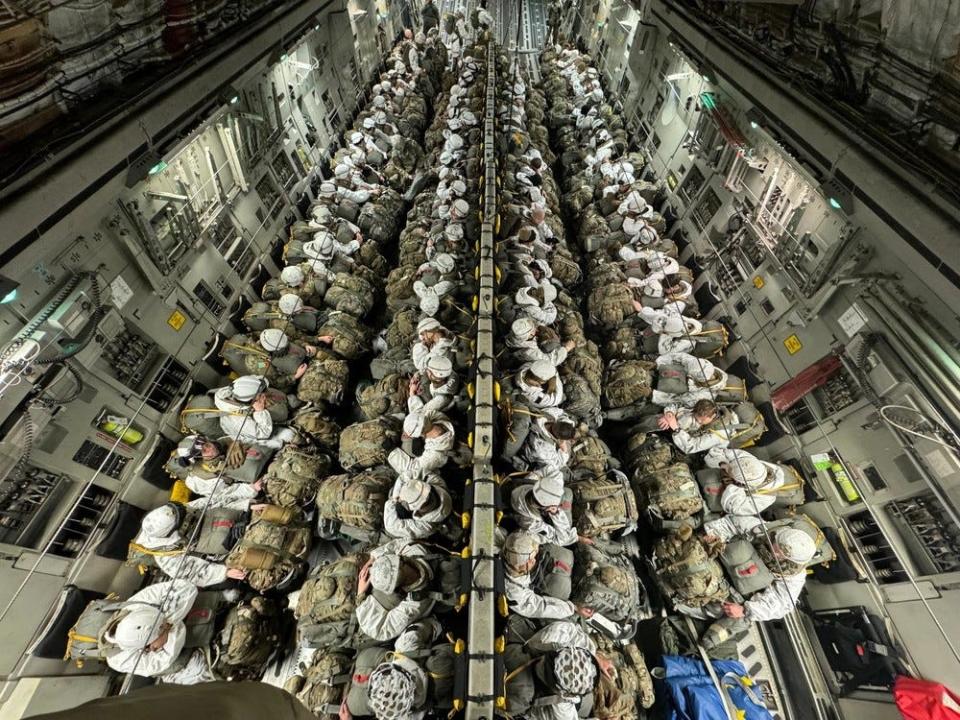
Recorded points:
787,395
925,700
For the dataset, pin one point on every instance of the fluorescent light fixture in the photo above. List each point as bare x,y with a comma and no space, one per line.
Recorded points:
838,197
8,290
753,124
147,165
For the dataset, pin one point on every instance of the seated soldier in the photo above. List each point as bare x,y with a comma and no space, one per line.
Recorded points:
439,441
704,380
549,442
540,385
146,636
400,578
541,508
435,389
164,536
212,457
273,356
433,339
751,489
694,430
523,344
245,416
305,319
785,552
417,677
217,489
566,673
416,507
528,576
537,304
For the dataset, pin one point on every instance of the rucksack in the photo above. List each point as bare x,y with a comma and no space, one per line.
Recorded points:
325,381
672,495
712,339
273,548
293,476
580,401
351,339
609,305
201,416
251,635
325,683
628,383
686,573
625,344
515,420
352,505
604,504
367,444
324,431
607,582
83,639
645,453
618,698
589,457
387,396
327,602
402,330
350,294
213,540
743,433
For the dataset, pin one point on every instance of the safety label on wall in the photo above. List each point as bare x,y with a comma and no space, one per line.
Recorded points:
176,320
793,344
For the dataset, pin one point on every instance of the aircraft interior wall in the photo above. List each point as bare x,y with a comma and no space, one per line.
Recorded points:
806,244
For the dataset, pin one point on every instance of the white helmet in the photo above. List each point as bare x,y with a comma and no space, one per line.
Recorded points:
574,671
385,573
391,692
796,545
138,628
548,488
292,275
290,304
246,387
440,365
543,370
274,340
160,521
522,328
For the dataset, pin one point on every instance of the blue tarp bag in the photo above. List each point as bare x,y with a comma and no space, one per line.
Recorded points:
689,693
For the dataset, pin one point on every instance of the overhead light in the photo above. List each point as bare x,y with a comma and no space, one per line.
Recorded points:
147,165
838,197
8,290
756,118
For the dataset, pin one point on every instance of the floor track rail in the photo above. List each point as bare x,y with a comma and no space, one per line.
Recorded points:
481,687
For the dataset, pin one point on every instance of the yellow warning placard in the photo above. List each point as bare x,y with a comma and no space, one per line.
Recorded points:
758,282
793,344
176,320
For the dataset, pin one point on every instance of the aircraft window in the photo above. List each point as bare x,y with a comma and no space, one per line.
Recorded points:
92,455
22,500
283,169
83,520
167,385
801,417
655,140
692,183
874,478
205,295
811,247
767,306
708,207
936,538
128,357
876,548
741,307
